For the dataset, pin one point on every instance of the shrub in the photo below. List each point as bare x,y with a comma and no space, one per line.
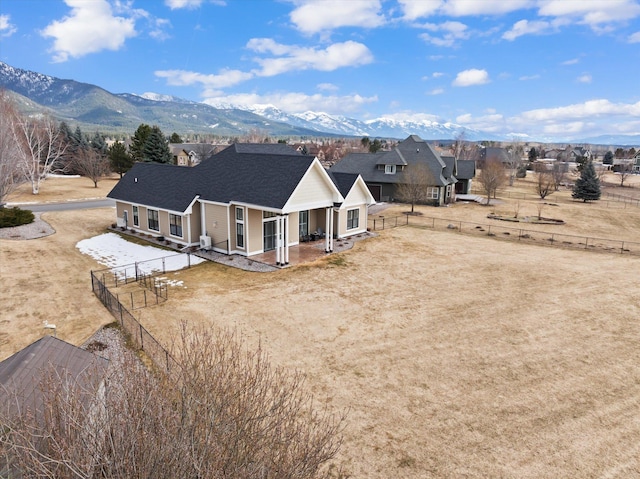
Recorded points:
15,217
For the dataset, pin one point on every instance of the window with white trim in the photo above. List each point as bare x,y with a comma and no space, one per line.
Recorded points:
175,225
353,218
433,192
152,220
239,227
136,216
389,169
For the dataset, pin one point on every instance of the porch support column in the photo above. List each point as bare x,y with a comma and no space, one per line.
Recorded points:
278,241
285,229
331,226
327,236
203,221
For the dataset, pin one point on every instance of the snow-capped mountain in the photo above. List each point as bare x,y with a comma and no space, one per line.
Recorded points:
380,127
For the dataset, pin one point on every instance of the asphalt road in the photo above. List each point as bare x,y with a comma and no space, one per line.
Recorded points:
67,205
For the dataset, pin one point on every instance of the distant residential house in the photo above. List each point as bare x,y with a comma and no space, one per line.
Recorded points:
190,154
636,163
246,199
492,153
180,155
382,171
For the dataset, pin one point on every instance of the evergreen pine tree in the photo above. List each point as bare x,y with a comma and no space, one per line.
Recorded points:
136,149
120,160
156,148
587,187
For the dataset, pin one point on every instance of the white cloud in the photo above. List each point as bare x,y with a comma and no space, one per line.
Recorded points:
437,74
190,4
471,77
573,61
586,78
529,77
535,27
592,12
452,31
290,58
414,9
436,91
634,38
413,116
327,87
224,79
588,109
160,29
459,8
6,27
295,102
315,16
492,122
91,27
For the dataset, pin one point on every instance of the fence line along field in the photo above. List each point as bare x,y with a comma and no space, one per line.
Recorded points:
457,356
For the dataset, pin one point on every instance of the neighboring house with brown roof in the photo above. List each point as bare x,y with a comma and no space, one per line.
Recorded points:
246,199
382,171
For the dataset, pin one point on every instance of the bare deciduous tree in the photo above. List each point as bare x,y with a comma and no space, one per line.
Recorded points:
515,152
492,177
230,414
10,174
559,172
40,146
624,171
463,149
545,182
91,163
414,185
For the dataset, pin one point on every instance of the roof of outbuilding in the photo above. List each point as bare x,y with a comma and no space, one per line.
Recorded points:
21,374
259,174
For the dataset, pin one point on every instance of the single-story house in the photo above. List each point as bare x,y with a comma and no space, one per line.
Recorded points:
382,171
246,199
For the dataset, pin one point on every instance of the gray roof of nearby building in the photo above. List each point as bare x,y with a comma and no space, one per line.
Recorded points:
466,169
241,173
492,153
412,150
21,374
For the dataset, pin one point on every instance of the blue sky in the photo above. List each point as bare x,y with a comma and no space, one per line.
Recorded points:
543,68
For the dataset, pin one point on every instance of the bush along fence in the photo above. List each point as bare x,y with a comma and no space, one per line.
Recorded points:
508,233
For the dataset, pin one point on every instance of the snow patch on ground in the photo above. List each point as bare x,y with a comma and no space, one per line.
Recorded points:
111,250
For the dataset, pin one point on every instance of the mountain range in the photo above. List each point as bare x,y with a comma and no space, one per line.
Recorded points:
94,108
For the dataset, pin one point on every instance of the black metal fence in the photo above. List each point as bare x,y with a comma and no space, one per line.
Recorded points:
138,335
499,231
608,200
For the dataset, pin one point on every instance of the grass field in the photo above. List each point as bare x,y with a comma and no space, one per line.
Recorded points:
456,356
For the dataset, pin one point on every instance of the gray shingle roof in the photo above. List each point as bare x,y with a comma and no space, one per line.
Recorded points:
243,173
466,169
412,150
344,181
22,373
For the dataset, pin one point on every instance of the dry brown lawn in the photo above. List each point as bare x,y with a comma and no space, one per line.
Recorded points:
457,356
